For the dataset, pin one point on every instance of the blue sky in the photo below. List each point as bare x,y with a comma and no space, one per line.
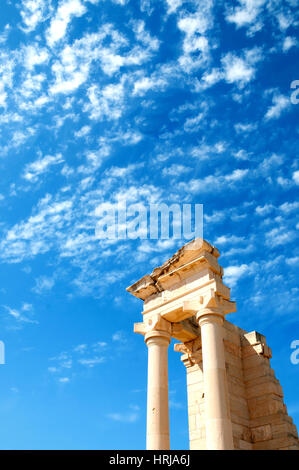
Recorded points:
147,101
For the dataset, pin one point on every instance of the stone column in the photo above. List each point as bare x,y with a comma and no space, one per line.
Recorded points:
157,336
219,434
157,434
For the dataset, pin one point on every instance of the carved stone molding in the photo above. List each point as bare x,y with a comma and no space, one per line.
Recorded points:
192,353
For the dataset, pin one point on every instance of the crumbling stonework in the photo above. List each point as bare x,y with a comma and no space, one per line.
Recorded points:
234,398
258,415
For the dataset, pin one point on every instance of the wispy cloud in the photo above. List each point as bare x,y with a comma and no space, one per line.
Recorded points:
232,274
40,166
43,284
126,416
22,315
280,103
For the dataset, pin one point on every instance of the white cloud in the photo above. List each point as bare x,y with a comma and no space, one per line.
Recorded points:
269,164
144,37
95,159
7,66
147,6
288,43
209,78
82,355
233,273
284,182
40,166
122,172
91,362
240,127
241,70
59,23
70,73
106,103
175,170
19,315
280,103
83,132
288,207
236,175
284,19
154,83
212,183
241,155
193,124
246,14
80,348
119,337
127,416
196,23
64,380
205,151
293,261
34,12
228,239
295,177
4,35
264,210
43,284
196,47
41,230
108,47
35,55
173,5
280,236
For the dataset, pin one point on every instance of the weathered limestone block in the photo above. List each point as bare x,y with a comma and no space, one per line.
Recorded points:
261,433
234,371
233,349
236,388
260,371
276,444
241,432
284,428
263,406
198,444
273,419
257,390
255,361
244,445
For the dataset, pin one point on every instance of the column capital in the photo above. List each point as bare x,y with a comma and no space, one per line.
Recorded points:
154,327
209,304
209,315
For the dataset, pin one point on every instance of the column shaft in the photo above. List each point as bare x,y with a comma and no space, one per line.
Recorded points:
218,423
157,436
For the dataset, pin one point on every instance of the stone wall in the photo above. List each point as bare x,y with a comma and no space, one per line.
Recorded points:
259,416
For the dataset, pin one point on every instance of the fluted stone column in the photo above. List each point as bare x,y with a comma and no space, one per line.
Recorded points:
219,434
157,435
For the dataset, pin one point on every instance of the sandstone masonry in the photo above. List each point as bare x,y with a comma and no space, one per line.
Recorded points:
234,399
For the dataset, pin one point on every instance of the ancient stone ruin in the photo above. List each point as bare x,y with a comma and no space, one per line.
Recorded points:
234,399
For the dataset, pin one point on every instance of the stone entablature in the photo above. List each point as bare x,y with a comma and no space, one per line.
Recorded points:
234,399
